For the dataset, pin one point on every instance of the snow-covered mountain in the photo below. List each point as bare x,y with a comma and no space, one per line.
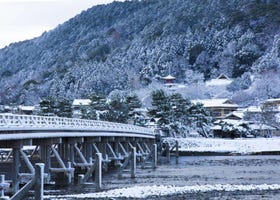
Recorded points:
127,45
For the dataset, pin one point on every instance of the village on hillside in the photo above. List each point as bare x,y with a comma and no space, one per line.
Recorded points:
229,120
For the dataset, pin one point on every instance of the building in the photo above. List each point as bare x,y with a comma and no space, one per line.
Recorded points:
233,125
26,110
221,80
272,105
267,113
171,85
218,107
78,105
169,81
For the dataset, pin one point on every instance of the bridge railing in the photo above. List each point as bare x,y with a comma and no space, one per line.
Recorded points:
30,122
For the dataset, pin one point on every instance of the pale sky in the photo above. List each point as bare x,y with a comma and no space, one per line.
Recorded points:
26,19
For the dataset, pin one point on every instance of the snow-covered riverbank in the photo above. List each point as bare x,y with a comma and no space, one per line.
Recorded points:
240,146
160,190
198,177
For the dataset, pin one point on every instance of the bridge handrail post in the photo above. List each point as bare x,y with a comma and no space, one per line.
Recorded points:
3,186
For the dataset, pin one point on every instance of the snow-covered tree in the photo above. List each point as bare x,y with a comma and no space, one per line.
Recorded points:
117,111
47,106
200,119
96,108
240,83
176,115
64,108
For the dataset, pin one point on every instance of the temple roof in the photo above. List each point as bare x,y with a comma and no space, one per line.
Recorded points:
169,77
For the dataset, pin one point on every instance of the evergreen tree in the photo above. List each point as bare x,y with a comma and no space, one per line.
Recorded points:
93,111
117,111
178,113
64,108
201,118
160,109
133,102
47,106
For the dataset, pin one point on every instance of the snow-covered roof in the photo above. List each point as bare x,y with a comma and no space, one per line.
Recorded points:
261,127
238,114
81,102
254,109
208,103
233,122
221,80
273,100
218,82
27,108
169,77
223,76
237,123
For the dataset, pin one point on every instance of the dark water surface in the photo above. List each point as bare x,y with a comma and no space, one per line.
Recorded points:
197,170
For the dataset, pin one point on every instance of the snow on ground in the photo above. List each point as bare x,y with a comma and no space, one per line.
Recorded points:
242,145
145,191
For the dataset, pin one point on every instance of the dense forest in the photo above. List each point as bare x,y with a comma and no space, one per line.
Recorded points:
129,45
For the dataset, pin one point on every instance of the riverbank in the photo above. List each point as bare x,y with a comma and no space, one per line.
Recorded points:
247,177
218,146
195,177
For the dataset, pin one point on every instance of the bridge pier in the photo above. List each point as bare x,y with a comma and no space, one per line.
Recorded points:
16,166
98,171
45,155
89,150
78,153
133,162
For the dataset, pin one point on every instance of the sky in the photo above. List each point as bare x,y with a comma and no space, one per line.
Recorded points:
26,19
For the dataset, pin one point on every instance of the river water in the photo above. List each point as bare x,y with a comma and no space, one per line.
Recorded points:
194,171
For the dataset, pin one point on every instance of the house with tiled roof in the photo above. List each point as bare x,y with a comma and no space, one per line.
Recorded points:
218,107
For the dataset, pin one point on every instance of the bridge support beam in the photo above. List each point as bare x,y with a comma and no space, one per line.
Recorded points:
16,166
45,154
71,153
89,152
39,181
98,171
133,162
177,152
154,156
63,170
167,152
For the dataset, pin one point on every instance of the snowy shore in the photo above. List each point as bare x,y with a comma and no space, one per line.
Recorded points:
239,146
160,190
242,177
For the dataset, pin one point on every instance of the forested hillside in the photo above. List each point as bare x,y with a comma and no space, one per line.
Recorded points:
128,45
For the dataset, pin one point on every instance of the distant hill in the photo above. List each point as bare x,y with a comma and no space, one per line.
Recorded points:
127,45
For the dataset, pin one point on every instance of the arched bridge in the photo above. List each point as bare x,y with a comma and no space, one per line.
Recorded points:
66,146
31,127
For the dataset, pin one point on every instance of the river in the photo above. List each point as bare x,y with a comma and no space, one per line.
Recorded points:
194,171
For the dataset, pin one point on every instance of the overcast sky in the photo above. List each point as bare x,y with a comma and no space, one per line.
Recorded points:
26,19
